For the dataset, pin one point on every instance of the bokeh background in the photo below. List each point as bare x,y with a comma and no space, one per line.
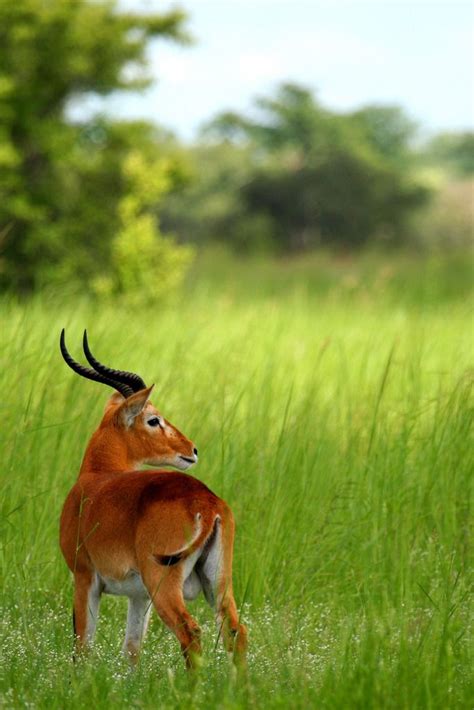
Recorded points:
268,129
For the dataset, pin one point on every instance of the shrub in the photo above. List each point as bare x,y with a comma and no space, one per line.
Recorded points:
145,265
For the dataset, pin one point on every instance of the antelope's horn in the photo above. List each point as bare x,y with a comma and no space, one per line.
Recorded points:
89,374
130,379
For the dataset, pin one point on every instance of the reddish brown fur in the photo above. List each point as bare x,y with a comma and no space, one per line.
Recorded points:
117,521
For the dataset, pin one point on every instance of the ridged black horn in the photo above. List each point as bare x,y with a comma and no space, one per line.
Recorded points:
128,378
89,374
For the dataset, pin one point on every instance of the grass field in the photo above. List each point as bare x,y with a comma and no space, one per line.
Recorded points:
330,402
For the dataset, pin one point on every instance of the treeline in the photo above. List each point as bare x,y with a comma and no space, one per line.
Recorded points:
300,176
117,207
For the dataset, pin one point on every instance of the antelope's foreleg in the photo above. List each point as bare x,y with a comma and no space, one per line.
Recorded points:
86,608
139,608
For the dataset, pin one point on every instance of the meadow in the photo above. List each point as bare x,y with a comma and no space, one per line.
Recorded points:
331,403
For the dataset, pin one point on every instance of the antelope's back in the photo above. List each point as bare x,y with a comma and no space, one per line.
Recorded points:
102,516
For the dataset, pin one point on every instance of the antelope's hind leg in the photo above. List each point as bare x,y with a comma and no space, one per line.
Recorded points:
165,587
139,607
215,573
87,592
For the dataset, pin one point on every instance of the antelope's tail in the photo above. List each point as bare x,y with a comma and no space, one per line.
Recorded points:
201,534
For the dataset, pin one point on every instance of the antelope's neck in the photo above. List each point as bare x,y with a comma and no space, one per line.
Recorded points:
106,454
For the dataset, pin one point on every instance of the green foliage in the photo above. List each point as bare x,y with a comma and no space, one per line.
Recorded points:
61,184
145,266
208,205
389,130
316,177
453,151
294,176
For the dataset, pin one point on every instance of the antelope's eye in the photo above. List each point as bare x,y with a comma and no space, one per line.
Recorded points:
154,421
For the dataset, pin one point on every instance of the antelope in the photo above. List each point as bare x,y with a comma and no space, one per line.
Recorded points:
158,537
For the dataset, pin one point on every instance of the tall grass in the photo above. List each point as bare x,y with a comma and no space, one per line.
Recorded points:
334,419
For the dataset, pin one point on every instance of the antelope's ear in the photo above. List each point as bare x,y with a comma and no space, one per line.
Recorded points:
133,406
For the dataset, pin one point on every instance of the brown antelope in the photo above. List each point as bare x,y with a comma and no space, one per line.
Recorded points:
157,537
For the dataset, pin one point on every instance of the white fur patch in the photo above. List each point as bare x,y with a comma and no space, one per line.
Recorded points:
191,586
131,586
139,608
191,583
93,601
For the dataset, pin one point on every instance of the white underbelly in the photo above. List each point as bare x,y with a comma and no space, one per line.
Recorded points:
131,586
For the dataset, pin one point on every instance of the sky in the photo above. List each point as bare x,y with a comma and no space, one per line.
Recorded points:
414,53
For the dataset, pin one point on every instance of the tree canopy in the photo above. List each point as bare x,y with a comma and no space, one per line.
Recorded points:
60,183
317,176
455,151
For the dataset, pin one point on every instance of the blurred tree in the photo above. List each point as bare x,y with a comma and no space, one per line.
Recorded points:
60,184
319,177
388,130
143,265
452,151
209,204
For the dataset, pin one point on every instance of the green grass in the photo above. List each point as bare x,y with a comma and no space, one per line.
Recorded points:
331,405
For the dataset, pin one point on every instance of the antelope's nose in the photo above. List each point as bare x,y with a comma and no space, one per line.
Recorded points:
195,451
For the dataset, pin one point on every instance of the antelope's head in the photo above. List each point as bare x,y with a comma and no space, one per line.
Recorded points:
132,429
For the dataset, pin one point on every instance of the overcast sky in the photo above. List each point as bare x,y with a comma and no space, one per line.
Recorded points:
415,53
